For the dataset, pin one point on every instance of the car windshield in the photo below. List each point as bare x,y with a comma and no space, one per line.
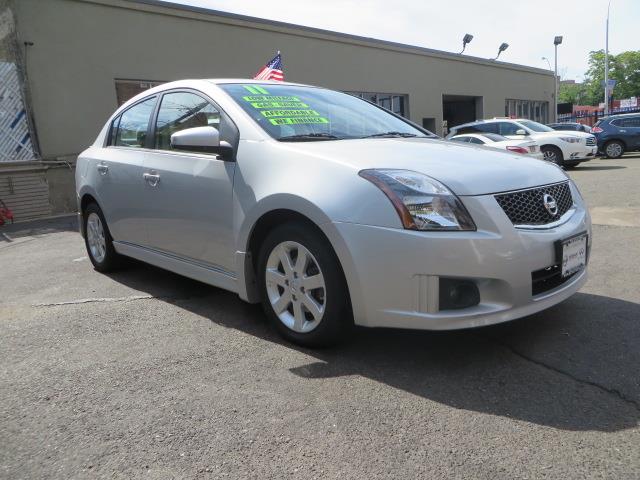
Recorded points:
535,126
297,113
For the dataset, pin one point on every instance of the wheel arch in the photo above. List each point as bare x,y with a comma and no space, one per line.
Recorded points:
268,220
616,139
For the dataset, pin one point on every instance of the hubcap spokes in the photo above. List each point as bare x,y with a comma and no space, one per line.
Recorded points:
295,286
614,150
95,238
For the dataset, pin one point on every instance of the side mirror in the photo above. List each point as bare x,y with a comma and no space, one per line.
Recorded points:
202,139
522,132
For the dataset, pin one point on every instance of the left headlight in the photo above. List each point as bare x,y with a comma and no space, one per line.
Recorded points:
570,139
422,202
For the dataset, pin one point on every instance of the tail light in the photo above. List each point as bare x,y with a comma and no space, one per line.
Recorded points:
517,149
596,130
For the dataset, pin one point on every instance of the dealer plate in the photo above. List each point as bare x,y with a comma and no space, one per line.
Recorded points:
573,254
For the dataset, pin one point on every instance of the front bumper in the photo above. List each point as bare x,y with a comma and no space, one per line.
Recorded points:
394,274
579,151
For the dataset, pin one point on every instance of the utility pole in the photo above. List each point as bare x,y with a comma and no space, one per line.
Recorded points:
556,41
606,65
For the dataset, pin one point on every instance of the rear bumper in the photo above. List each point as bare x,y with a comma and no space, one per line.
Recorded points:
398,271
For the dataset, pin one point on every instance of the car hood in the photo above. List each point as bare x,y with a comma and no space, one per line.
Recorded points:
465,169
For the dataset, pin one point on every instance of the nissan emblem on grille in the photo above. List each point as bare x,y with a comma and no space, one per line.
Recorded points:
537,205
550,204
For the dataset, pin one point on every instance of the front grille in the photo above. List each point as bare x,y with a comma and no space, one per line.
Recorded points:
526,207
547,279
591,141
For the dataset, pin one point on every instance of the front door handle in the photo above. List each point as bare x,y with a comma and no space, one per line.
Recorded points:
151,178
102,168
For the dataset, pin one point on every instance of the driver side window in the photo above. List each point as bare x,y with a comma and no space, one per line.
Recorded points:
182,110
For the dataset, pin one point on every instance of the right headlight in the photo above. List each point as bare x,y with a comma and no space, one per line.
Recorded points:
422,202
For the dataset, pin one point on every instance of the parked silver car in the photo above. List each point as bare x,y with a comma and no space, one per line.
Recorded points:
329,210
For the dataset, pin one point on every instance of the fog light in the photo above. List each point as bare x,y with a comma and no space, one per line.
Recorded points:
456,294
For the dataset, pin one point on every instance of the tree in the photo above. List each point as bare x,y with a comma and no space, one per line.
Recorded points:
572,93
624,68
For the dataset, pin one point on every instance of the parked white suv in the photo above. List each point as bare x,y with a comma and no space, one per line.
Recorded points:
566,149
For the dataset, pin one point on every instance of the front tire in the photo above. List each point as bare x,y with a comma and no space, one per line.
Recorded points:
304,293
553,154
614,149
98,240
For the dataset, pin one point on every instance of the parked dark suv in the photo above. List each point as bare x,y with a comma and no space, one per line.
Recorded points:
617,134
570,126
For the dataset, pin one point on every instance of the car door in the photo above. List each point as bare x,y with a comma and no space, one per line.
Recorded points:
118,172
629,129
188,195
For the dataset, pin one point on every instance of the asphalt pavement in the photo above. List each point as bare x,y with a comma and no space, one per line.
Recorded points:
145,374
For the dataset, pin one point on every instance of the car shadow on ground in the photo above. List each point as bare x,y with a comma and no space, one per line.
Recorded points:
572,367
599,167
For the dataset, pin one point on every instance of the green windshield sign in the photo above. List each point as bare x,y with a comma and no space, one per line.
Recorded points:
282,109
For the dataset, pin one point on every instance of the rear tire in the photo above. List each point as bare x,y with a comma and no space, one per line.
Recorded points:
553,154
303,290
614,149
98,240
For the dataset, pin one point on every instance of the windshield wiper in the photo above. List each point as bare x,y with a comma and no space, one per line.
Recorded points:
308,137
391,135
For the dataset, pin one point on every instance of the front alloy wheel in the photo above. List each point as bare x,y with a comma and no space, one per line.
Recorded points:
295,286
303,289
553,155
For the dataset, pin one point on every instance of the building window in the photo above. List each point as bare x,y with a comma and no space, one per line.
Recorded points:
397,103
531,109
126,89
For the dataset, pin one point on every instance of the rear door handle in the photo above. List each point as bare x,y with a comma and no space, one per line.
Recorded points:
151,178
102,168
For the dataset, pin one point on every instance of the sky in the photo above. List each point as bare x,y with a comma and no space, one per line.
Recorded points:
528,26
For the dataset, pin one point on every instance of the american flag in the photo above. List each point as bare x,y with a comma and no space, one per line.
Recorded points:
272,70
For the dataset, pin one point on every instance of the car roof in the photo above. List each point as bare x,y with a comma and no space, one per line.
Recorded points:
621,115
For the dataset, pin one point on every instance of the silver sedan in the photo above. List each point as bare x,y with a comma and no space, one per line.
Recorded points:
329,210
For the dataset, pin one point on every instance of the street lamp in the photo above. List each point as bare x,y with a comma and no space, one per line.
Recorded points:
467,39
606,65
548,62
556,41
501,49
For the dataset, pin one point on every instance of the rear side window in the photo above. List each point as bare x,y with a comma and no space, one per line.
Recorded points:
132,125
508,128
461,139
475,140
627,122
182,110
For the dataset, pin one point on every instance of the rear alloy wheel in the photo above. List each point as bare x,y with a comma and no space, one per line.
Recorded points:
614,149
553,154
98,240
303,290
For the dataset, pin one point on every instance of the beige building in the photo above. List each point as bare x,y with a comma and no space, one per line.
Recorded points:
79,59
83,48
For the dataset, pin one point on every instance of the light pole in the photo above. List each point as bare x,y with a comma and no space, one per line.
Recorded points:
606,65
556,41
548,62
